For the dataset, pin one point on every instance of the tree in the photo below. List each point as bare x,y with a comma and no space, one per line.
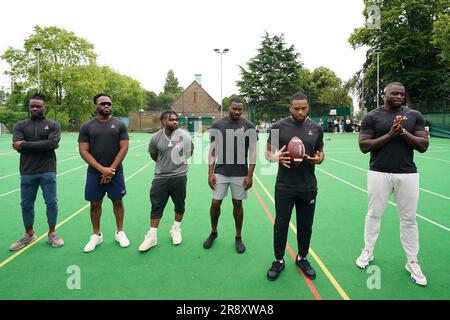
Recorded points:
271,77
172,86
226,101
172,90
325,90
61,51
86,82
3,95
17,100
440,38
70,78
128,94
152,101
408,53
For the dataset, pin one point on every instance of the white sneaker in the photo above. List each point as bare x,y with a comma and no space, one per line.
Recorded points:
94,241
416,273
149,241
364,259
175,232
122,239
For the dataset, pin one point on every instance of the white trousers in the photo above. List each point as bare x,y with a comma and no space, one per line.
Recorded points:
406,192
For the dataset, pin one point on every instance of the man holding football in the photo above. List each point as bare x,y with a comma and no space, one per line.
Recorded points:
301,141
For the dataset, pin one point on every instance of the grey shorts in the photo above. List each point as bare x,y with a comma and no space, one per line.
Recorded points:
237,189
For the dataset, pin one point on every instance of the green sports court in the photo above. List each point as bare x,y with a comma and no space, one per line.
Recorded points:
188,271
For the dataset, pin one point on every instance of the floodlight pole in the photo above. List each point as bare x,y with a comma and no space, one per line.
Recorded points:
221,77
377,51
38,50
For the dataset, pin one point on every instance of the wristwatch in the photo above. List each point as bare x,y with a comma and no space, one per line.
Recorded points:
403,132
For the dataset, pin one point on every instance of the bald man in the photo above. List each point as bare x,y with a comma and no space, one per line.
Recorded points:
391,133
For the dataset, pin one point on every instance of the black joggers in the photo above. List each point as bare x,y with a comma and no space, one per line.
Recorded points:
305,204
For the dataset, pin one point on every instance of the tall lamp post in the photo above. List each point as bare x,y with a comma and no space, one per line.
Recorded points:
221,77
140,119
38,50
377,51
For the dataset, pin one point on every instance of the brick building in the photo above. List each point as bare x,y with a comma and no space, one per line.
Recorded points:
196,110
195,106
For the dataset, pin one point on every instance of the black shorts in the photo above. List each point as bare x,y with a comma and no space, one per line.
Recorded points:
160,191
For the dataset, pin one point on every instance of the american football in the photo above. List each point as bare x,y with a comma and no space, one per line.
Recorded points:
296,150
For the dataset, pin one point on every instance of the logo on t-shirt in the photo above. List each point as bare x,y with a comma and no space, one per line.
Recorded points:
46,127
178,144
113,126
310,133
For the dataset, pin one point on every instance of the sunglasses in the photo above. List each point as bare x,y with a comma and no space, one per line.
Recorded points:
105,103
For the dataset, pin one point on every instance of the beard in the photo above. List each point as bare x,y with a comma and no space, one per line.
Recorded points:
172,128
39,114
104,113
394,105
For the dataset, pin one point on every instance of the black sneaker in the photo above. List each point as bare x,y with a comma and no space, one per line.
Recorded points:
240,248
275,270
209,242
306,267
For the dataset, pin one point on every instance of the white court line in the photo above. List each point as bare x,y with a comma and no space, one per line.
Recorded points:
362,169
6,261
390,202
353,152
357,149
16,173
439,144
437,159
5,194
77,152
60,174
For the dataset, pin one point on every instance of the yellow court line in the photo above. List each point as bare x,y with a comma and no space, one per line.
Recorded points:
6,261
327,272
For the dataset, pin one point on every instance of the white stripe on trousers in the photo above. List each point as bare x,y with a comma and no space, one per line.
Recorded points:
406,192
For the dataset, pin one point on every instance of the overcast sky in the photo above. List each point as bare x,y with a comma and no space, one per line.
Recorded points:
145,38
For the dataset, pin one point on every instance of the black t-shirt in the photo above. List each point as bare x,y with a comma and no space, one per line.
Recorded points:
396,156
104,140
301,177
232,138
41,137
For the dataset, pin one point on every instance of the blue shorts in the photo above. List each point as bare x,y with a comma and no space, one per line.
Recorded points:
95,191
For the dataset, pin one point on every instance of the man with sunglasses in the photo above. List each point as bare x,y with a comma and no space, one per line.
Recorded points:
391,133
103,144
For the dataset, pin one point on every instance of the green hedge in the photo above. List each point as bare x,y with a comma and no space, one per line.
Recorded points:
9,118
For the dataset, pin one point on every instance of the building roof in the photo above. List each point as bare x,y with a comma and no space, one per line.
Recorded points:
193,84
